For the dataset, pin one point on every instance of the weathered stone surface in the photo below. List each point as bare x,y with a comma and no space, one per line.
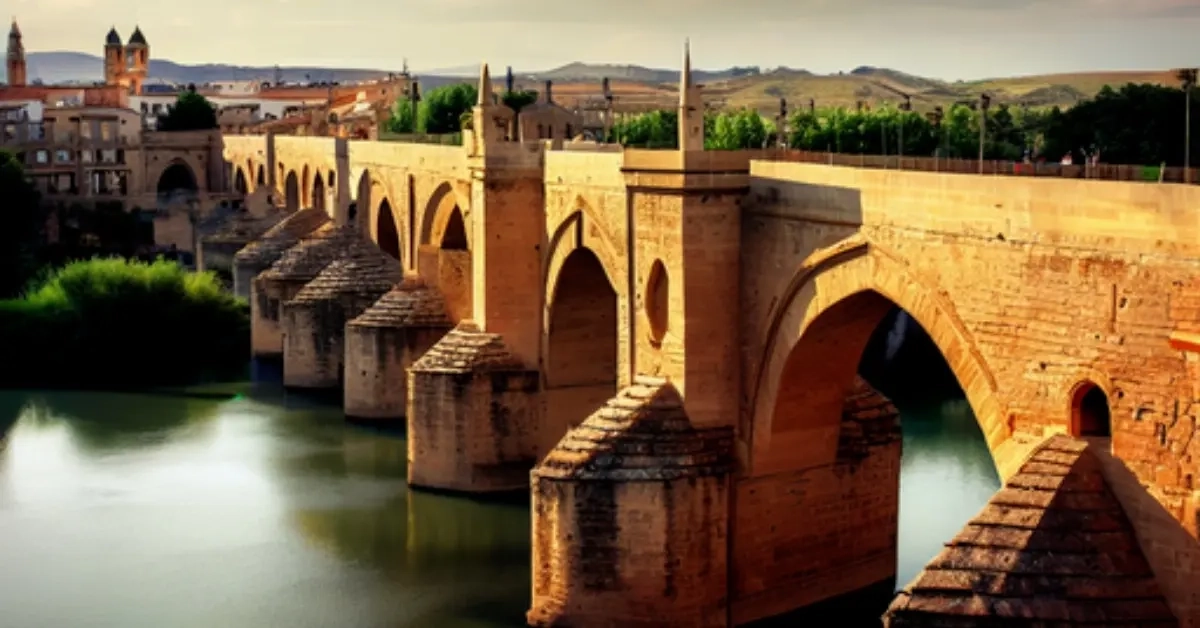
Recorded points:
472,415
384,341
281,237
648,495
1053,547
304,261
314,321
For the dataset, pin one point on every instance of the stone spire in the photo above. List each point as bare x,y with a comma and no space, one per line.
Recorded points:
485,87
15,62
691,106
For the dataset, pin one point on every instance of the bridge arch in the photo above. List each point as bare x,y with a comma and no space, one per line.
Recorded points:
815,339
291,191
388,231
581,345
240,183
318,193
438,215
261,177
444,253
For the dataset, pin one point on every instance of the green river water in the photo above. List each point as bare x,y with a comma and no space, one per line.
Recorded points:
254,509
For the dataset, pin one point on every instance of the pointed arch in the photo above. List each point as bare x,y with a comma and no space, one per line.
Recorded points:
318,194
439,214
261,177
291,191
240,185
813,343
388,232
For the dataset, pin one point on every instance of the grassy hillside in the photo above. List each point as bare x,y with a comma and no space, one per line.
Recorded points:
638,88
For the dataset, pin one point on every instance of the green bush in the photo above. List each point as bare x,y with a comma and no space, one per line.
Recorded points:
121,324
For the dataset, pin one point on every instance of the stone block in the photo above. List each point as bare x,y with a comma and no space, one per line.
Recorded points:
384,341
473,412
630,516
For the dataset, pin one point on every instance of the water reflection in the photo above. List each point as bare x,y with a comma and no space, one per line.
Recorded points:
242,506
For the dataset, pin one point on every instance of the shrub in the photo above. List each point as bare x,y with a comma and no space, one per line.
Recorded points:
120,324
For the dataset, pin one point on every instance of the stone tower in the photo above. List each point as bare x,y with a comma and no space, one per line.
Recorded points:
114,58
691,107
137,57
16,57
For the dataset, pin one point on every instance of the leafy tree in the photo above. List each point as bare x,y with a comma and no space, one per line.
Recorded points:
519,99
402,119
191,112
442,109
22,232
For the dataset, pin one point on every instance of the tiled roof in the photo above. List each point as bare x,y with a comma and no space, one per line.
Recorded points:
360,269
642,434
410,304
467,349
307,259
1052,548
283,236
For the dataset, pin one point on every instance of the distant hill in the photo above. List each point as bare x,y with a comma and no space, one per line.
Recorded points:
753,87
72,67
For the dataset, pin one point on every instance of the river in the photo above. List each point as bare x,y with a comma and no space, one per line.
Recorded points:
253,509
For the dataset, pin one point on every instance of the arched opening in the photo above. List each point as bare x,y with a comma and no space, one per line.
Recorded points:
581,351
239,182
177,182
893,488
261,177
1090,414
454,238
657,302
386,234
318,193
360,208
291,192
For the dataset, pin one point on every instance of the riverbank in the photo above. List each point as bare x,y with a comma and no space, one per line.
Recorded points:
116,324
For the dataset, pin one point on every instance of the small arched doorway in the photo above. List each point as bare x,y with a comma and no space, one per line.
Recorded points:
177,182
581,346
292,192
1090,413
318,193
386,234
261,177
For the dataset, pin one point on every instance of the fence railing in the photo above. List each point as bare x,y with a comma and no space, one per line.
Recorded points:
1108,172
449,139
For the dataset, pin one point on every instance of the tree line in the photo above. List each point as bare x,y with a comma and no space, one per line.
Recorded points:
1135,124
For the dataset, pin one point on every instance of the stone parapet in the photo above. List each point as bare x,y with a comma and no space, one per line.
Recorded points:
630,516
314,322
473,411
384,341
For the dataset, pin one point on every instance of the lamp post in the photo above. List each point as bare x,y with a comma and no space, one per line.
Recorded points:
905,107
1187,77
935,118
985,101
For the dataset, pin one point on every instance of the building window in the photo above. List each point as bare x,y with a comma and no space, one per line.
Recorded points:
85,156
42,157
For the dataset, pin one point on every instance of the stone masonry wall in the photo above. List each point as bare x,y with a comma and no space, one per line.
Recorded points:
804,536
1056,283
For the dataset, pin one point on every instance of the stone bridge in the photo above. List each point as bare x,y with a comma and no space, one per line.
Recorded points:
670,341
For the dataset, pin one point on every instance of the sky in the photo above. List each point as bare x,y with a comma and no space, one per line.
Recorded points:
947,39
